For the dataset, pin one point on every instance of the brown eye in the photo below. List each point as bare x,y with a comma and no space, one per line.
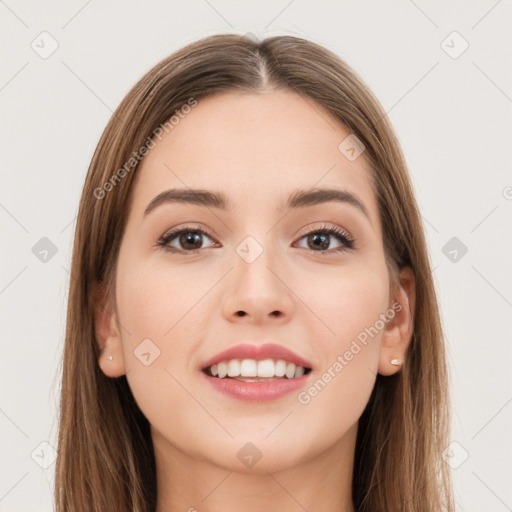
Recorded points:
320,239
184,240
191,240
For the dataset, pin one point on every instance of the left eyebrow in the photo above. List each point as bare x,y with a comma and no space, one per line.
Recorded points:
298,199
302,198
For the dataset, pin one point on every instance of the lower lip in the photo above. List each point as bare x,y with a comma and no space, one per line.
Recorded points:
262,391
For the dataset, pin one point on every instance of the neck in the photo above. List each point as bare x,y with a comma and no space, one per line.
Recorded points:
323,482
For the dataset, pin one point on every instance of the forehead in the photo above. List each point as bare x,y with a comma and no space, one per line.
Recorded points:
256,149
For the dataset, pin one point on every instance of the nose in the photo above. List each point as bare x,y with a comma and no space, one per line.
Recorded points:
258,292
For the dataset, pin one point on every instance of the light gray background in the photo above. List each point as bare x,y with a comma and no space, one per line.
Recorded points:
453,118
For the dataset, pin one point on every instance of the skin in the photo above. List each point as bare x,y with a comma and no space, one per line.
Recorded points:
257,149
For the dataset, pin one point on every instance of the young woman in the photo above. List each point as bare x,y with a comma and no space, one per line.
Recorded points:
252,322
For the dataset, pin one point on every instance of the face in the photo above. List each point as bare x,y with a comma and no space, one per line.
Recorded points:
255,272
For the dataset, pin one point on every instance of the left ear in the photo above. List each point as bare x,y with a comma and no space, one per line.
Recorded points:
398,332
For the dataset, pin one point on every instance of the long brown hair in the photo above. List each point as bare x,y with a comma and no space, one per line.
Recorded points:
105,453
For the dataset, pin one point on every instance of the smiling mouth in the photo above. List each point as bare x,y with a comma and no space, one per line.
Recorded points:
250,370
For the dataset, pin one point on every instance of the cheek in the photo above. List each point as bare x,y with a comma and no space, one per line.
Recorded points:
349,347
347,301
156,347
148,308
158,301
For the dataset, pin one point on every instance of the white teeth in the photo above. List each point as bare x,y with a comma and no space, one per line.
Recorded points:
280,368
249,368
234,368
267,368
222,369
290,370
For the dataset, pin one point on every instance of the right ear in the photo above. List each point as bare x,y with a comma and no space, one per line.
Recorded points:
108,336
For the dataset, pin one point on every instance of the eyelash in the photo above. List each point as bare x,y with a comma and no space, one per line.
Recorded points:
328,229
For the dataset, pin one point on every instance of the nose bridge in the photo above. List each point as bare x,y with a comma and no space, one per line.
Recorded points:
257,287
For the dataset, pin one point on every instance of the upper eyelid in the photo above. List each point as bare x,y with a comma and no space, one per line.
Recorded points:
325,226
199,227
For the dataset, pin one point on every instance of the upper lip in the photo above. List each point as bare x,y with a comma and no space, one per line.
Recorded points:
257,352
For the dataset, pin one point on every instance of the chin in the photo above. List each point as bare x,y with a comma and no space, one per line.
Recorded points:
259,456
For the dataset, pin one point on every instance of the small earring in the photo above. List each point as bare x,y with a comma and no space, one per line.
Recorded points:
109,358
395,362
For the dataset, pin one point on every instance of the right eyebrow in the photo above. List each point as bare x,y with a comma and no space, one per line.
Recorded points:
190,196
